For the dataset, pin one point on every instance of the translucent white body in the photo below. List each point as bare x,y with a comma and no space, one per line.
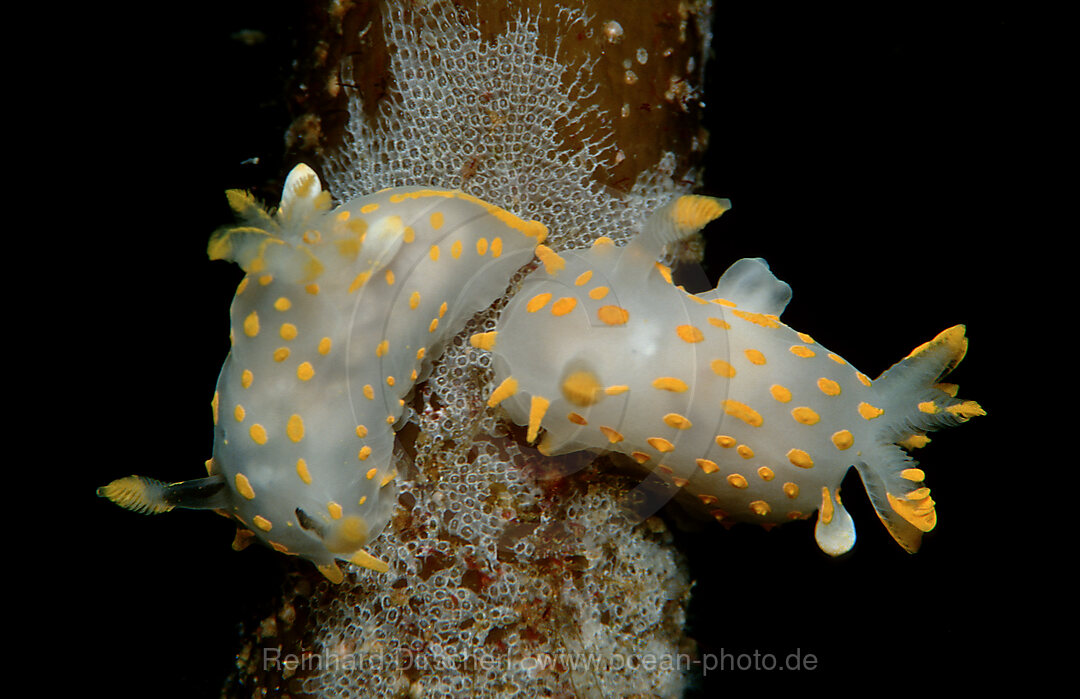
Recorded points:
340,315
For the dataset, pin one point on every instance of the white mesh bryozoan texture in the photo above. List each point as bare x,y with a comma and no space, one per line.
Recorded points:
511,574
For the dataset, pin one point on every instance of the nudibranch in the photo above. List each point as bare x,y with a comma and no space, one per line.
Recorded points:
599,350
340,314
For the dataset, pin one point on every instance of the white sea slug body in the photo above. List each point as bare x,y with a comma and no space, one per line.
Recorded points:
599,350
340,314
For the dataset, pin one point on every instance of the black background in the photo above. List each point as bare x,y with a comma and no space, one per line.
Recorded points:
874,158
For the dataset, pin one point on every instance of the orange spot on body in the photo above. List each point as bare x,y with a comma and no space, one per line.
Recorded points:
689,333
258,433
780,393
755,357
707,466
765,320
669,383
679,422
302,471
613,435
800,458
295,428
828,387
660,444
243,486
722,368
744,412
563,306
537,302
869,412
760,507
251,324
613,315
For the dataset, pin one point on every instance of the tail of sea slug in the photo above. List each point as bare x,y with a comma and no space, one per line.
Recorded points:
911,402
